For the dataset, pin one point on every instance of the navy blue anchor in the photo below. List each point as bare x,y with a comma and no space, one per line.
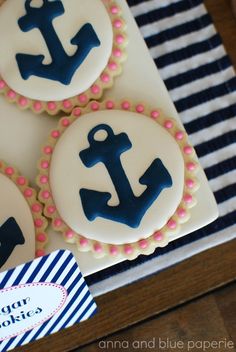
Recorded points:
131,208
63,66
10,236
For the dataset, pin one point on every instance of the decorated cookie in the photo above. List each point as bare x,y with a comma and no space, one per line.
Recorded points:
22,225
117,178
59,54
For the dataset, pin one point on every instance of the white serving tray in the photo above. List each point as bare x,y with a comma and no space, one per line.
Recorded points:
22,134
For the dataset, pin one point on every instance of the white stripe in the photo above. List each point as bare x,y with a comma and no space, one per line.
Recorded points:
193,62
148,6
89,312
208,107
80,311
223,181
163,262
218,156
198,85
179,18
182,42
56,268
208,133
227,207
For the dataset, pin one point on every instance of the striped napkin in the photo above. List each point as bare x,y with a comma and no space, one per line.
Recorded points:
201,81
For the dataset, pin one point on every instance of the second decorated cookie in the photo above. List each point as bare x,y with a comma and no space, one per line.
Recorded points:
118,178
59,54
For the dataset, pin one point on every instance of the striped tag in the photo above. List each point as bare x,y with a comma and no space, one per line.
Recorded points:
42,297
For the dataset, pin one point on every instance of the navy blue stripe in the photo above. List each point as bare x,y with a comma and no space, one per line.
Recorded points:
216,143
221,168
21,274
6,278
225,193
197,73
165,12
188,52
211,119
37,269
206,95
62,268
220,224
70,273
178,31
51,266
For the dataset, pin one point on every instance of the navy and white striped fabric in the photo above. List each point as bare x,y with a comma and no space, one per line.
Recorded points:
61,268
201,81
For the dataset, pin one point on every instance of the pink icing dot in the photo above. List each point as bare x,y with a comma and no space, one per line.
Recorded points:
143,244
51,209
23,101
77,112
181,212
117,24
21,180
28,193
168,124
57,222
105,78
65,122
83,98
95,106
113,250
38,223
36,208
46,195
128,249
55,134
140,108
179,135
188,150
158,236
110,104
155,114
9,171
97,248
191,166
125,105
171,224
11,94
67,104
44,164
190,183
120,39
188,198
114,10
41,237
43,180
51,105
117,52
95,89
69,234
83,242
2,84
47,150
37,106
112,66
39,253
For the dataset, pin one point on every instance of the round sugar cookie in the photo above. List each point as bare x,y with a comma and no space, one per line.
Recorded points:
59,54
22,225
117,178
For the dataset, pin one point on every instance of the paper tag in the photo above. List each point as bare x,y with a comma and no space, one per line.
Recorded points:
42,297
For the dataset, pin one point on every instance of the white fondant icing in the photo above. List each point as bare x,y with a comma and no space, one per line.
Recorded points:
68,175
13,204
13,41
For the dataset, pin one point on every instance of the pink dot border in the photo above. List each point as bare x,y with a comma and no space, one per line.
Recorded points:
160,237
95,92
36,208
